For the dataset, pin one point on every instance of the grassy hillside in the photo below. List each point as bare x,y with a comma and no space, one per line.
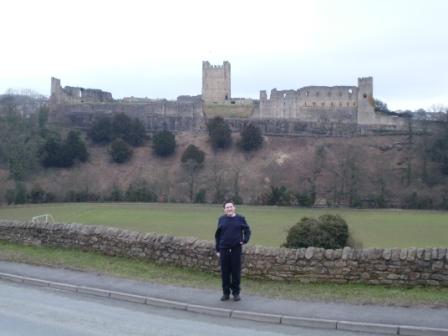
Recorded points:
373,228
341,171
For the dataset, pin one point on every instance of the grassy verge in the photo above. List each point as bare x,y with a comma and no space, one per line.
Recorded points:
143,270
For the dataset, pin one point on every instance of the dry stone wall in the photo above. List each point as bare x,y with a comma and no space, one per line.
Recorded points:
413,266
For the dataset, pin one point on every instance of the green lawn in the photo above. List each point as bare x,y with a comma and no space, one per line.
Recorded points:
373,228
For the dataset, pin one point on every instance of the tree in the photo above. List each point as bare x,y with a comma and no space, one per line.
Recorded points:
121,127
193,153
251,138
381,106
101,130
120,151
76,147
219,133
164,143
63,154
53,153
192,162
137,135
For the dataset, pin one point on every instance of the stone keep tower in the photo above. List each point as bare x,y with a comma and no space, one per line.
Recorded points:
215,82
366,106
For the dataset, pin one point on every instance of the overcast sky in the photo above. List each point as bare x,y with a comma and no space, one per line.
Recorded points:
155,49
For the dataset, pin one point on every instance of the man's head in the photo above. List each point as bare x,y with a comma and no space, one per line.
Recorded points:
229,208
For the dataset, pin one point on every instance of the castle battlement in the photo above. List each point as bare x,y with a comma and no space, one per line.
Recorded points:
324,105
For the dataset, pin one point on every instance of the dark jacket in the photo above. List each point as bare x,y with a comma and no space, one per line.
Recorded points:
231,231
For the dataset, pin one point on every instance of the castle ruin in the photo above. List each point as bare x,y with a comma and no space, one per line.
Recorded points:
315,110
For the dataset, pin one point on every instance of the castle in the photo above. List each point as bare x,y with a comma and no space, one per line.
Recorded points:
321,110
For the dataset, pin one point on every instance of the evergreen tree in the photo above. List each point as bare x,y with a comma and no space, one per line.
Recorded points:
101,130
76,147
120,151
164,143
219,133
251,138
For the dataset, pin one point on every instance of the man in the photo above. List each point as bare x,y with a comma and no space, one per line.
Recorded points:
233,231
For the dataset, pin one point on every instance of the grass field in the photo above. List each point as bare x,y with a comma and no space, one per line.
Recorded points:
373,228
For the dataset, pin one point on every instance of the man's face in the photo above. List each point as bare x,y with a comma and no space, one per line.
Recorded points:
229,209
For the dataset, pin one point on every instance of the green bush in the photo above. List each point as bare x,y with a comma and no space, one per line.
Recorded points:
101,130
414,201
251,138
140,191
327,231
193,153
279,196
219,133
164,143
120,151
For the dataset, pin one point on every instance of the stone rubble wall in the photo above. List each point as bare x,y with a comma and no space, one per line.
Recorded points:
411,266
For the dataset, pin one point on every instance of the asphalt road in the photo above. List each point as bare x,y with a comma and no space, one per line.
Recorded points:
26,310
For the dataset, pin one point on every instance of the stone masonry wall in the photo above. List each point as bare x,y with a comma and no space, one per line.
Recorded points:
413,266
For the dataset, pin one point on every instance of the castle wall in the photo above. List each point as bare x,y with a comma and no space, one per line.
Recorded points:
311,103
70,94
216,82
184,114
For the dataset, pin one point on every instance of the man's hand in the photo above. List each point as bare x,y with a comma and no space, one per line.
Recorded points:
218,254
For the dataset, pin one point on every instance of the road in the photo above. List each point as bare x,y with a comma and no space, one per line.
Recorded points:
26,310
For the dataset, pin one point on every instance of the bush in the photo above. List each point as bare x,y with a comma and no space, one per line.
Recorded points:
306,199
193,153
414,201
219,133
58,153
327,231
201,196
120,151
106,129
101,130
140,191
81,196
279,196
76,147
164,143
251,138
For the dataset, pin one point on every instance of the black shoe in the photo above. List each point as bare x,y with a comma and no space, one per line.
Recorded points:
236,297
225,297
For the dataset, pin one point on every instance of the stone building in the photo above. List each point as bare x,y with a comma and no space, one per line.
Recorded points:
216,82
324,104
315,110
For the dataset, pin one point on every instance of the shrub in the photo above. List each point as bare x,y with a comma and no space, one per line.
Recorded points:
120,151
140,191
58,153
414,201
193,153
76,147
164,143
219,133
279,196
101,130
201,196
327,231
251,138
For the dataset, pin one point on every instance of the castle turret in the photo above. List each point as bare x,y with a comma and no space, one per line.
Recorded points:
215,82
366,106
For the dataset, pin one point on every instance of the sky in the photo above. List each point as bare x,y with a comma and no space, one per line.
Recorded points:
155,49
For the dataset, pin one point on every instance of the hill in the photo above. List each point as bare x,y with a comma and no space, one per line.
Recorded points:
373,171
